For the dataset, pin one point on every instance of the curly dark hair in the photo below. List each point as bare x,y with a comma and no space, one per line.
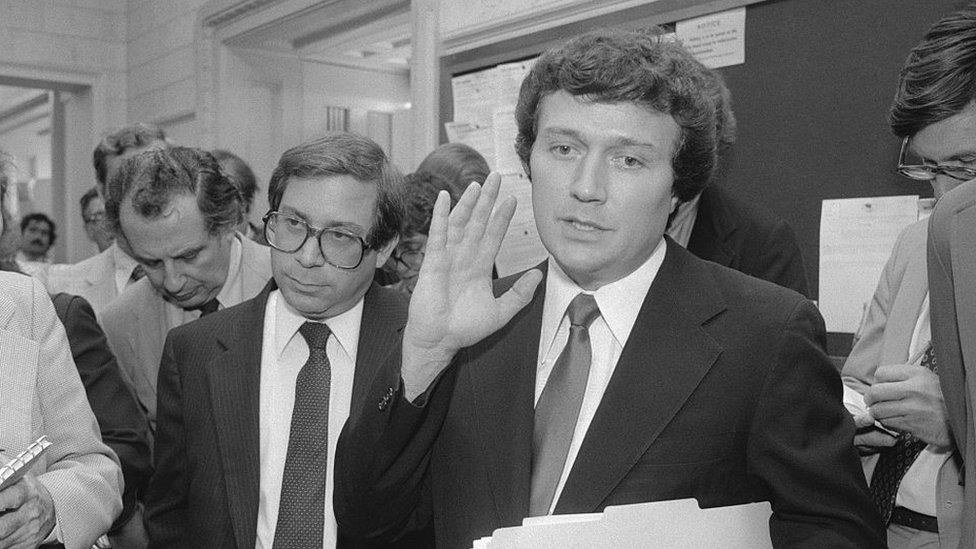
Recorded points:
642,67
421,190
151,179
136,136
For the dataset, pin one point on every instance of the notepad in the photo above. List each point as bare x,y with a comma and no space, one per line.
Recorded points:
17,467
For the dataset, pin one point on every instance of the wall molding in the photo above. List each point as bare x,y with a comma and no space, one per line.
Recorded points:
520,24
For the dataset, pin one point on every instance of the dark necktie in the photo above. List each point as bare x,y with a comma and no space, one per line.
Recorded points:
895,461
208,307
559,405
137,273
301,509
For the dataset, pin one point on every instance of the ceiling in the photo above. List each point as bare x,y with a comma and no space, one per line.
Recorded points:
373,35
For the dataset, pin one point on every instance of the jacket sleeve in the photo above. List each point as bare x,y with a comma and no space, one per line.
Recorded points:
166,498
122,423
82,474
382,491
801,446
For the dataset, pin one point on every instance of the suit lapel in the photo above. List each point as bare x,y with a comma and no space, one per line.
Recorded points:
663,361
504,375
384,316
234,377
905,309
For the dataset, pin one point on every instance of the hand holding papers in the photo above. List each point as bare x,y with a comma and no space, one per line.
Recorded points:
677,524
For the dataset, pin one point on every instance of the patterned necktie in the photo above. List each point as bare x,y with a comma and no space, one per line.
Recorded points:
559,405
301,509
895,461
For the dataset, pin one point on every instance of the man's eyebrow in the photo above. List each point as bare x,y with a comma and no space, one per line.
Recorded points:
621,141
348,225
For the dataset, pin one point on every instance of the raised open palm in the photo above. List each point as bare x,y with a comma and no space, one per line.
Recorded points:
453,305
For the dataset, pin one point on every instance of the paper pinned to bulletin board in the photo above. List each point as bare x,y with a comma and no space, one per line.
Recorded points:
717,39
856,239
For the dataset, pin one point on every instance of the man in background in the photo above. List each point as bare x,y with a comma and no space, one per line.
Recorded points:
99,279
915,466
178,214
252,398
718,226
93,215
37,235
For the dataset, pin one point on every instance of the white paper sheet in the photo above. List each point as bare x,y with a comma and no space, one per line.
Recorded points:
521,248
678,524
717,40
480,137
856,238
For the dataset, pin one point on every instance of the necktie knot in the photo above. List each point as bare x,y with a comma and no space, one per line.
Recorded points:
208,307
316,334
582,311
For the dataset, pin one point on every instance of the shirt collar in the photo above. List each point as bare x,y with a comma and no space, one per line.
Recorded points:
684,221
344,327
619,302
123,261
230,292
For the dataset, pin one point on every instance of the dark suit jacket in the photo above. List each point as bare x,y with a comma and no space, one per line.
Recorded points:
121,421
722,393
206,487
952,278
738,235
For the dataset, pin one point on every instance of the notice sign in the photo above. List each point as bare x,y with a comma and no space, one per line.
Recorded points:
717,40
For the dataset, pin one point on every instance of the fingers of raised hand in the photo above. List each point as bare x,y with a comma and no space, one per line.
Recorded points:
437,237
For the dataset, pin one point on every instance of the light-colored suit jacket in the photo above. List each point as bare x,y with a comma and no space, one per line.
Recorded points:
136,323
952,271
41,394
92,279
885,339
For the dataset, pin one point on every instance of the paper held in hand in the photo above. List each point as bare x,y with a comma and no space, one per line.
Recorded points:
676,524
17,467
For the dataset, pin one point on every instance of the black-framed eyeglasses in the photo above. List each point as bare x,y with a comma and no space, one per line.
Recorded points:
928,172
94,218
411,259
339,248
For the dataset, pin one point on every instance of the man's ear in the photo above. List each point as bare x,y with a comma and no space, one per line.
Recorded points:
384,252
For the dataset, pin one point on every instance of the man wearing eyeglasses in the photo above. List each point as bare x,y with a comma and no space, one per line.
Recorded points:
177,213
93,214
915,473
252,398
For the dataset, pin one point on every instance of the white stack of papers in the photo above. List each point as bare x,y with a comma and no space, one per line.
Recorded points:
677,524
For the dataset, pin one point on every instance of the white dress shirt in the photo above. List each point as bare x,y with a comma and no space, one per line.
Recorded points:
918,486
124,265
619,303
283,354
683,222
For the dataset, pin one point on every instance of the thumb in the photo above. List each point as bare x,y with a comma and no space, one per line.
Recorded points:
519,295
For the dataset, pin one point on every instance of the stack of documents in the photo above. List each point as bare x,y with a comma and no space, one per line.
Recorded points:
676,524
